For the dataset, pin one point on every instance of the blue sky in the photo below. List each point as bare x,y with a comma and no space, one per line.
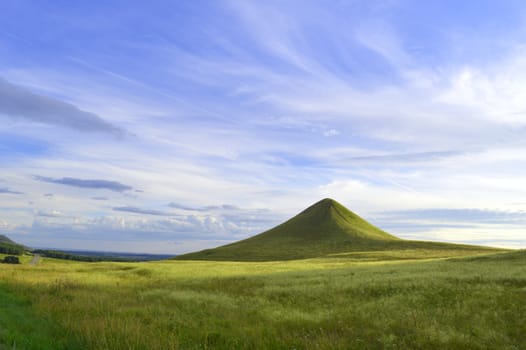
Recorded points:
171,126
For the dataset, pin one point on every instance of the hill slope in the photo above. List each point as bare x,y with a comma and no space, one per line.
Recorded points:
8,246
325,228
5,239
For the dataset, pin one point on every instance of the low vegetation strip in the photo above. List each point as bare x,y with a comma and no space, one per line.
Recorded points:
92,256
10,248
323,303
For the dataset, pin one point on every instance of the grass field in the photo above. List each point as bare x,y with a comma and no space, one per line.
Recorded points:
375,300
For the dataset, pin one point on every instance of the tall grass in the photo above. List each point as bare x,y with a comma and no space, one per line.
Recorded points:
331,303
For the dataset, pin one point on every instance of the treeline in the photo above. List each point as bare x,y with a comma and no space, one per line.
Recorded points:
68,256
12,249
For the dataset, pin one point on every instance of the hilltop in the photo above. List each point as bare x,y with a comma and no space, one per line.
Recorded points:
326,228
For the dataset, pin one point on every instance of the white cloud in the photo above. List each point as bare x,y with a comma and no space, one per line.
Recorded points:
331,132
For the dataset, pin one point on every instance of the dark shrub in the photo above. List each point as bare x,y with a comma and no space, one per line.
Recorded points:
11,260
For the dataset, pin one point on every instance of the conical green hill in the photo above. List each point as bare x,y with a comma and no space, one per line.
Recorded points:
326,220
324,228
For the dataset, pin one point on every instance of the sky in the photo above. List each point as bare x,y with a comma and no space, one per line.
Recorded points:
172,126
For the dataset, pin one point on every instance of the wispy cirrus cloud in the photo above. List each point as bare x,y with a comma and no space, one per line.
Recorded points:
136,210
205,208
448,216
406,157
184,207
85,183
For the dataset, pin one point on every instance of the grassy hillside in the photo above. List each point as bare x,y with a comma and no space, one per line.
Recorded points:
326,228
7,246
325,303
5,239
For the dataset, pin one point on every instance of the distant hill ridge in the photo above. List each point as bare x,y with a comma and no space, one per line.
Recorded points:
326,228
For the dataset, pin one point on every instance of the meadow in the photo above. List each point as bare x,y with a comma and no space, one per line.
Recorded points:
378,300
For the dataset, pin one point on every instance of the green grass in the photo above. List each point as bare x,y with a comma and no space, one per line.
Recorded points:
325,229
21,328
360,300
